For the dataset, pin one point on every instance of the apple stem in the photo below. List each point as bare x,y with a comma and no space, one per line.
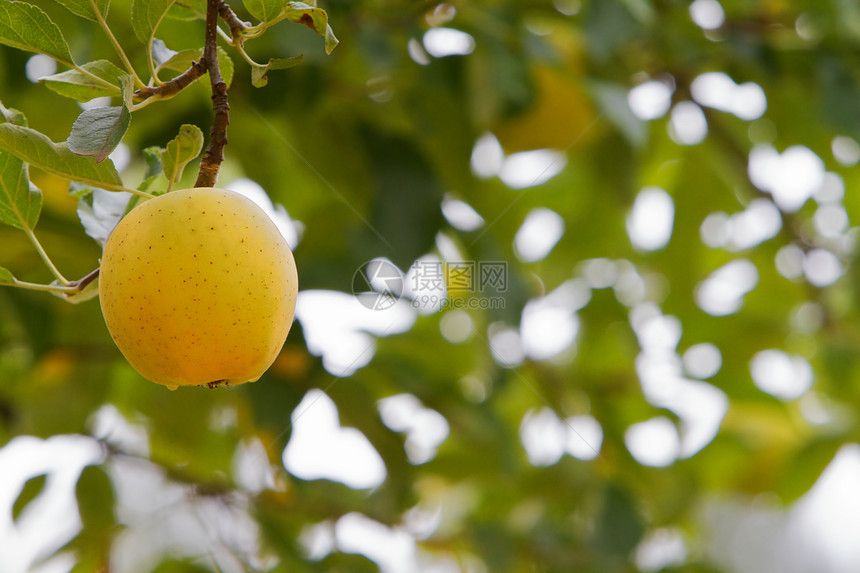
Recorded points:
214,154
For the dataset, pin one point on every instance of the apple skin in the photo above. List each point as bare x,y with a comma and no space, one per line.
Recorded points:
198,287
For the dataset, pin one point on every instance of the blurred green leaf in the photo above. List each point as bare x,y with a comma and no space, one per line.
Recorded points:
407,195
6,277
612,102
619,527
31,490
805,467
96,499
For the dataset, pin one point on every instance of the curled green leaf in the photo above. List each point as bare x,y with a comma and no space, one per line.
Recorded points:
258,72
180,151
12,116
314,18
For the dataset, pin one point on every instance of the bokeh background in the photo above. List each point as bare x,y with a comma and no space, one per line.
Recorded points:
665,380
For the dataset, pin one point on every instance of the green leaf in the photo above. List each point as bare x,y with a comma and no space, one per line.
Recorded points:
154,181
152,156
146,15
160,52
84,8
98,131
12,116
27,27
126,85
187,10
83,87
100,211
225,64
180,150
39,151
20,203
258,73
181,61
6,277
264,10
314,18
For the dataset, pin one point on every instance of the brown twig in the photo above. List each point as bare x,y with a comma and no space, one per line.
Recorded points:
236,25
214,155
82,283
174,86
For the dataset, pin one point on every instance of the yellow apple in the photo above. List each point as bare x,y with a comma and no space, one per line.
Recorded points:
198,287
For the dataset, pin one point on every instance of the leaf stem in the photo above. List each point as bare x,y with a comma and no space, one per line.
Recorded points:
41,287
241,49
47,260
116,45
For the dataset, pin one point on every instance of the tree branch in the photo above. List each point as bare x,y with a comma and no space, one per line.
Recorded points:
82,283
236,25
174,86
214,154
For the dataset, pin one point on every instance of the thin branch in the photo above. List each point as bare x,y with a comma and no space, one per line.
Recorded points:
236,25
82,283
214,155
169,89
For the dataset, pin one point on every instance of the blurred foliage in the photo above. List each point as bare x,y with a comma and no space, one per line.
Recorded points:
361,146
